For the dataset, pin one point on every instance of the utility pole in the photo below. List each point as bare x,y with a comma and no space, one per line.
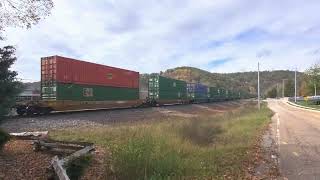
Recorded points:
282,88
259,85
277,90
295,86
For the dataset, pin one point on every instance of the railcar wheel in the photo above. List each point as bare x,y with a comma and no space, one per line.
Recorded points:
30,110
21,111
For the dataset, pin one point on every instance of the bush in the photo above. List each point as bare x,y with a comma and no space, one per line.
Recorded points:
4,137
200,132
77,167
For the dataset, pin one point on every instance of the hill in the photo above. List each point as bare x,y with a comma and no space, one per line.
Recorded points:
244,81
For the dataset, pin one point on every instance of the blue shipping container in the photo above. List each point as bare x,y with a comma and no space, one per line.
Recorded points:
197,91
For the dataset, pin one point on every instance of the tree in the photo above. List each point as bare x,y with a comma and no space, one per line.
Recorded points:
9,86
16,13
289,88
272,93
313,78
22,13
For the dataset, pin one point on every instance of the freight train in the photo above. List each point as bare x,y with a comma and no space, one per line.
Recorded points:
69,84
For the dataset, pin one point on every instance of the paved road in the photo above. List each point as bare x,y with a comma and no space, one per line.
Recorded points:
298,133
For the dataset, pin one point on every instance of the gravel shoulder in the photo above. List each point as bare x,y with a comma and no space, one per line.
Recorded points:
105,117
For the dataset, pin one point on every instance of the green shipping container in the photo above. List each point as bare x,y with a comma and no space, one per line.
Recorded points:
163,88
223,94
214,93
77,92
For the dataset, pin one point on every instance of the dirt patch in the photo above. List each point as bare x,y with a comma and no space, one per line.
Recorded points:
97,167
19,161
264,164
214,110
168,112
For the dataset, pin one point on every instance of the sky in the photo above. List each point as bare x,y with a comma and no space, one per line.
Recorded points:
154,35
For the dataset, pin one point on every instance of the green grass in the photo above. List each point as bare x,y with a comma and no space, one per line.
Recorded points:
202,147
308,104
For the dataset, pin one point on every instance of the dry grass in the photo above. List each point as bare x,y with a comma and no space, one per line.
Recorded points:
205,146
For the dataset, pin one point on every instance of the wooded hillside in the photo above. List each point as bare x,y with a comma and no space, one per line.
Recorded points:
245,81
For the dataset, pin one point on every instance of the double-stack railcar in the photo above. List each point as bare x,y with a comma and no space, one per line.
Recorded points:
215,94
197,93
69,84
163,90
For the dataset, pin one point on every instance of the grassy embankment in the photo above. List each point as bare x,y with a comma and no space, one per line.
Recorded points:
206,146
308,104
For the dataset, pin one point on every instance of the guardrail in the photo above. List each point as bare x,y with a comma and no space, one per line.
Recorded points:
303,107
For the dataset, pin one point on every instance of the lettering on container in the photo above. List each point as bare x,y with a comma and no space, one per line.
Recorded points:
87,92
109,75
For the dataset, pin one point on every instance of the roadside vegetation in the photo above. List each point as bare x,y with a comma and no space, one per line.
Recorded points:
309,104
4,137
76,168
206,146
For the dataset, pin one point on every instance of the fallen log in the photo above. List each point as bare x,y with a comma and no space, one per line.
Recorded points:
41,141
57,166
29,135
78,154
43,144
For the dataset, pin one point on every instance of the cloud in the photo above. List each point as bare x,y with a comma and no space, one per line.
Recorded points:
218,62
150,36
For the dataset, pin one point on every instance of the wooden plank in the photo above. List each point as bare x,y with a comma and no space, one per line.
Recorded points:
36,133
78,154
58,145
58,168
84,144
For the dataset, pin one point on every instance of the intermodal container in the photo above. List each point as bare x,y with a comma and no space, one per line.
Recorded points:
163,88
223,94
214,93
78,92
67,70
197,91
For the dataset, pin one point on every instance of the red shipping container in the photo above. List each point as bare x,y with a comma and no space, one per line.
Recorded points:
67,70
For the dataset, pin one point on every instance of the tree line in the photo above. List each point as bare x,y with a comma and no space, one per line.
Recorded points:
23,14
308,84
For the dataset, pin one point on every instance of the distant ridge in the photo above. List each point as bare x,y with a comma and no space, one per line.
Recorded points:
244,81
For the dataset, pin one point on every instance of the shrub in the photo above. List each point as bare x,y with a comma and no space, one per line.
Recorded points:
4,137
201,132
76,168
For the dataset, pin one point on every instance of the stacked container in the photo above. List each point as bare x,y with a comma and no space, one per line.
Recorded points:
163,89
197,92
214,94
69,79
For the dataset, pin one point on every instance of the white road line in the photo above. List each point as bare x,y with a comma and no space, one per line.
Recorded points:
278,129
295,153
278,136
